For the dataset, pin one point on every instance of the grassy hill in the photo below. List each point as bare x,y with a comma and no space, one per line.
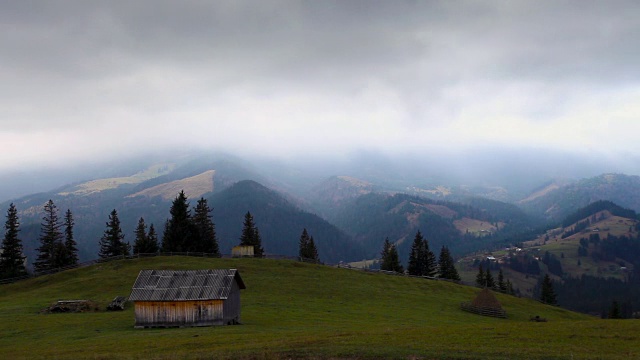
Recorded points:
294,310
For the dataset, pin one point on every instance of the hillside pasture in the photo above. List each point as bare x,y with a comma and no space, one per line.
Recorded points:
476,227
297,310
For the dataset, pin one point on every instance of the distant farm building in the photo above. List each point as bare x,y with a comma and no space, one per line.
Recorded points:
242,251
171,298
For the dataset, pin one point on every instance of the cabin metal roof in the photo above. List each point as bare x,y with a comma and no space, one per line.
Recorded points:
176,285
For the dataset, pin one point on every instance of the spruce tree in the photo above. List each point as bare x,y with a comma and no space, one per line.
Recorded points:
251,235
49,252
614,311
547,294
394,260
11,258
390,259
140,242
481,280
416,257
145,242
248,231
178,234
112,241
510,288
69,242
152,241
205,229
313,250
502,286
307,247
385,255
303,245
489,281
422,261
430,261
446,265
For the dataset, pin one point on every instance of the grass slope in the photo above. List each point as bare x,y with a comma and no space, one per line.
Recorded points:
293,310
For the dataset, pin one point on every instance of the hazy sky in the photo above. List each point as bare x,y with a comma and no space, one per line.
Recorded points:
86,78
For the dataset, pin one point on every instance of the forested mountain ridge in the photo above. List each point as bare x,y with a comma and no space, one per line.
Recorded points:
280,223
143,195
142,192
557,203
372,217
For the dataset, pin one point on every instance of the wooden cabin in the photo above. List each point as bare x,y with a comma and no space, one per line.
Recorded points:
170,298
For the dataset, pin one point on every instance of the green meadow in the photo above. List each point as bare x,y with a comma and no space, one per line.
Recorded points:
296,310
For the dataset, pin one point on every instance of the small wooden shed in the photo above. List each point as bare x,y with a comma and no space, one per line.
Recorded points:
242,251
168,298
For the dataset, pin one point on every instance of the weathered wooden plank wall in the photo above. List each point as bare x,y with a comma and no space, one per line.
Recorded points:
179,313
232,305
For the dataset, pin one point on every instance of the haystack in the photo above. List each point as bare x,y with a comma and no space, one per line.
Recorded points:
486,300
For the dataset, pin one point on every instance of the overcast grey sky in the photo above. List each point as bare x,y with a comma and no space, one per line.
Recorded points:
87,78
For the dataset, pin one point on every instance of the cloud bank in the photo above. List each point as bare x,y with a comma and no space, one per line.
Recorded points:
82,79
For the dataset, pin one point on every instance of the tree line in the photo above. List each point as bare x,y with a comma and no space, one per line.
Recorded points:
422,261
186,230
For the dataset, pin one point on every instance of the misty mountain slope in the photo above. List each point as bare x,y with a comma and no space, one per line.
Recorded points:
228,170
463,228
280,223
92,201
331,193
194,186
554,205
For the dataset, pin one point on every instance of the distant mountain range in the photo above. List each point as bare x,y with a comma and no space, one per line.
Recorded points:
349,216
556,201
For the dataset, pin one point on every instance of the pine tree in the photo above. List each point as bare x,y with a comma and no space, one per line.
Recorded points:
11,258
205,229
390,259
178,234
481,280
547,294
112,241
446,265
69,242
140,242
251,235
49,252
